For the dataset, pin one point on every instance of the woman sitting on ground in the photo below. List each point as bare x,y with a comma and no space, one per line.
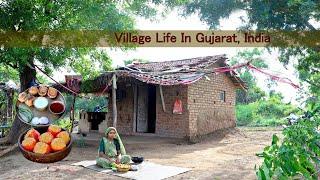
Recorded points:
111,150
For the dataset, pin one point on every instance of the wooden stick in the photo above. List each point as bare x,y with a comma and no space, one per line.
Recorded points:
9,149
162,99
72,112
114,100
135,103
4,140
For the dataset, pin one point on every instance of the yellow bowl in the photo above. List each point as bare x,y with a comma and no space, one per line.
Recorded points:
123,167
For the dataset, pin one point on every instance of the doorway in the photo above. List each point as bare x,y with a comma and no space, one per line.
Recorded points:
152,111
146,109
95,118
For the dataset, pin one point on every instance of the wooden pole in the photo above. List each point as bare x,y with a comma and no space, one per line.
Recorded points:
135,102
72,112
114,100
162,99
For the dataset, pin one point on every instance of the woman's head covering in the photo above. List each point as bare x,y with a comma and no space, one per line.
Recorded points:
117,137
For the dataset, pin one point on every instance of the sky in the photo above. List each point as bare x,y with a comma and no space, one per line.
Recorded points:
175,22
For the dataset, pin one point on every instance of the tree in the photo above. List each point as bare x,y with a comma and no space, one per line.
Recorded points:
130,61
271,15
254,92
47,15
297,155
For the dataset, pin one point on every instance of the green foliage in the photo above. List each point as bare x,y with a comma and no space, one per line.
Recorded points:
8,73
91,65
212,11
285,15
86,104
246,113
130,61
93,102
253,93
269,112
64,123
44,15
296,156
309,70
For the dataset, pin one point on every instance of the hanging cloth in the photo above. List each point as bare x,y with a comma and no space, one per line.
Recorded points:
177,107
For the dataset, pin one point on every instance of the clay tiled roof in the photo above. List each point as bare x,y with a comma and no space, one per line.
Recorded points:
177,72
168,73
190,64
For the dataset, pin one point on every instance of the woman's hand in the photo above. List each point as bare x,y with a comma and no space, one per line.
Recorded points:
106,157
101,154
117,160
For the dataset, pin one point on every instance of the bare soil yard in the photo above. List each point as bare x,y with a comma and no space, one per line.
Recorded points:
225,155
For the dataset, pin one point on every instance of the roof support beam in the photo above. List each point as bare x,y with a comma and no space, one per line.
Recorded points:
162,99
135,107
114,100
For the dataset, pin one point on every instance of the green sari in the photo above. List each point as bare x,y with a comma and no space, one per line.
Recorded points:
112,149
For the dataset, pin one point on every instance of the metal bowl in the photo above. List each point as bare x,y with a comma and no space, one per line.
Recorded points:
137,159
46,112
44,158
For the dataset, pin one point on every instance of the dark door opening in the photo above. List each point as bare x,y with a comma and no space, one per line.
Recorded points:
95,118
152,112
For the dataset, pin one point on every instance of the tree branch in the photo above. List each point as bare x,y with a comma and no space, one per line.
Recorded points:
310,26
14,66
312,83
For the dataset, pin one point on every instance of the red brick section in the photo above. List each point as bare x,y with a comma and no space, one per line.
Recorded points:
125,110
207,113
203,111
169,124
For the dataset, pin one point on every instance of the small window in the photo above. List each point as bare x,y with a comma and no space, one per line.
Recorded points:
223,96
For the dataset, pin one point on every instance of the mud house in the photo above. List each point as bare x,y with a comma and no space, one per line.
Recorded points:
144,96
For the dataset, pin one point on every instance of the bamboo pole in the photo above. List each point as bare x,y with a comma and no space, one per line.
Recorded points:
72,112
135,103
114,100
162,99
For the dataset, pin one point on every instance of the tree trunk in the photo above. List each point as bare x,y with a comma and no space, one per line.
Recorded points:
9,93
26,74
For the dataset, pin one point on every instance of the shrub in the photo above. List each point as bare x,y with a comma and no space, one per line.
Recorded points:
271,112
296,156
245,113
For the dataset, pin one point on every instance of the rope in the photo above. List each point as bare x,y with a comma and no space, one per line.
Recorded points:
216,70
66,88
274,77
252,67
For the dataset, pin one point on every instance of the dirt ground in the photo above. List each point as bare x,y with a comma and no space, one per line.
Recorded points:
225,155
